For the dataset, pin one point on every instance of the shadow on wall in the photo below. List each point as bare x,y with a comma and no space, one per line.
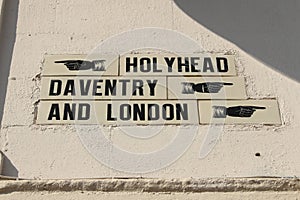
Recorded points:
8,169
269,30
7,41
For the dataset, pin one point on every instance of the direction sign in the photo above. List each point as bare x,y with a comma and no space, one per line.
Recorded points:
118,112
111,87
239,112
80,65
148,88
174,65
206,88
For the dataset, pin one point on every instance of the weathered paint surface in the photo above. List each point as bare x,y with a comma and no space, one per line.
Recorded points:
1,10
76,27
263,111
152,189
180,65
230,88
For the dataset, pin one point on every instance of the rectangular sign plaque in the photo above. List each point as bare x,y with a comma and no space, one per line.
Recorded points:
148,88
175,65
103,88
239,112
81,65
206,88
118,112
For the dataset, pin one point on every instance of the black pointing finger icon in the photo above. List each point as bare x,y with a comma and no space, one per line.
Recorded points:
235,111
75,65
206,87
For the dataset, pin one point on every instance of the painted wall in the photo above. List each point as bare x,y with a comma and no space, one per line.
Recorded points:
34,28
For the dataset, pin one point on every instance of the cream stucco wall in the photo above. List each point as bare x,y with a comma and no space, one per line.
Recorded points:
1,6
76,27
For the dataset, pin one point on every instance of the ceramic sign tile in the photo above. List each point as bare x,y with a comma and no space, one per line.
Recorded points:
77,65
103,88
176,64
124,112
206,88
239,112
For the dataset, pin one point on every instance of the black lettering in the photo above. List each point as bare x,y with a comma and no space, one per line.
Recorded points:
181,112
110,87
137,85
54,112
207,65
138,112
96,87
129,64
54,83
152,87
168,112
124,86
125,112
155,69
109,113
153,114
224,67
194,63
84,88
70,88
84,111
170,62
69,113
145,67
185,64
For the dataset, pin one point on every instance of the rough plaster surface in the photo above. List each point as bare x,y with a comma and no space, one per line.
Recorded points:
150,196
1,10
251,188
153,185
76,27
